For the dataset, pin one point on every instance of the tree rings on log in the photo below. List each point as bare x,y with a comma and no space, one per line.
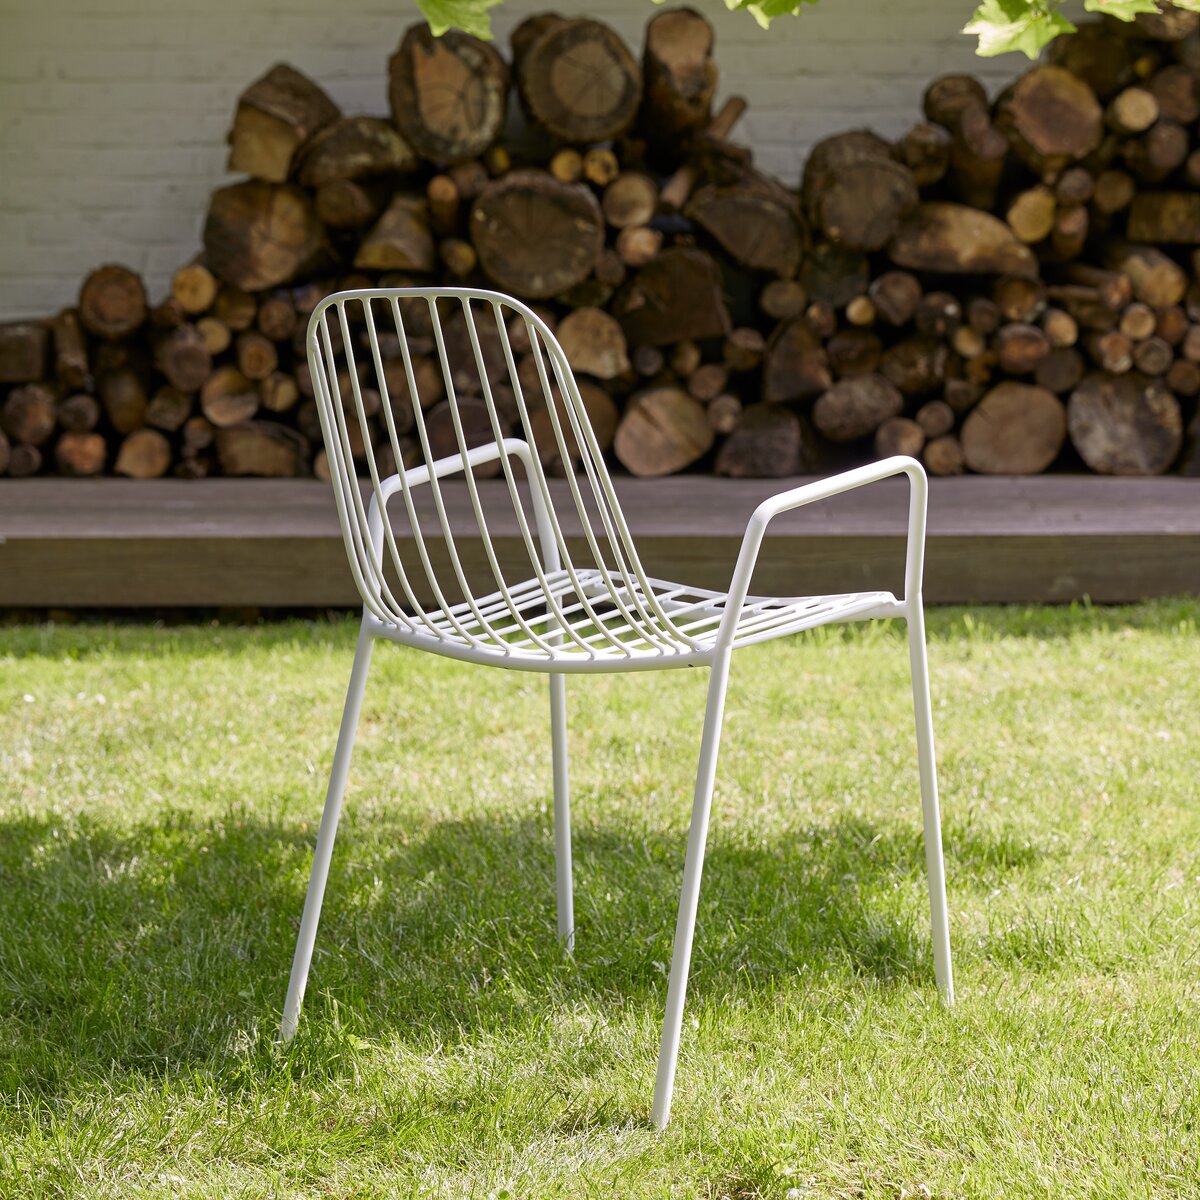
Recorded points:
755,226
663,431
449,95
535,235
112,302
1051,118
260,235
144,454
677,296
953,239
855,192
1016,429
579,82
1125,424
354,148
631,199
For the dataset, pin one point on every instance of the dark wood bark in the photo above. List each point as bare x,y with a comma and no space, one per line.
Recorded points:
899,435
28,414
80,454
895,295
679,295
953,239
183,359
228,397
536,237
756,226
769,442
944,456
23,346
448,95
400,240
78,413
260,235
796,366
275,116
1051,119
855,407
123,397
354,148
168,409
1125,425
71,367
112,302
855,192
348,204
261,448
680,79
579,82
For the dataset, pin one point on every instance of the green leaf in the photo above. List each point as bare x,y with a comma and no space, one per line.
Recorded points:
1124,10
1025,25
765,11
471,16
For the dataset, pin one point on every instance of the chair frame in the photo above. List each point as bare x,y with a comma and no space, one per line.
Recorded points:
365,533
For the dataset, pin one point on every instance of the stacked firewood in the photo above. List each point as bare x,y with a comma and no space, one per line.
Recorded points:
1006,288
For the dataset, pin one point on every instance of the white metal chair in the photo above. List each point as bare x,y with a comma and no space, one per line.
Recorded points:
579,603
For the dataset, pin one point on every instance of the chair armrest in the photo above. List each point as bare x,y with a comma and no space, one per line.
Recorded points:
517,448
823,489
453,463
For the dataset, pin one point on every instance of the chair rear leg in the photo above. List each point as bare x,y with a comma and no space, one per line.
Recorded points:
562,811
934,865
325,836
685,925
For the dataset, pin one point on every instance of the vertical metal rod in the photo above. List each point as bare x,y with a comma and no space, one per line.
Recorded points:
685,925
562,811
934,865
326,834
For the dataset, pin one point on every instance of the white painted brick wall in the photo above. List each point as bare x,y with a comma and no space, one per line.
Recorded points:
113,113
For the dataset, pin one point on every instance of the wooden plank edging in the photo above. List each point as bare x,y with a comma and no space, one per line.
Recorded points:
270,543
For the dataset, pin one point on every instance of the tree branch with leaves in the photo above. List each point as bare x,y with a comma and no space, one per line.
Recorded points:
1002,26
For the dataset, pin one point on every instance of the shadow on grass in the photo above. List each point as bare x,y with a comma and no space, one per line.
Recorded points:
168,946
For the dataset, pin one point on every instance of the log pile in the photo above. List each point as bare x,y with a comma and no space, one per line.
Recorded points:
1012,285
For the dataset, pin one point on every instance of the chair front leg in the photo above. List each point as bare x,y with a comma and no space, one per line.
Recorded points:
931,817
685,925
562,811
325,836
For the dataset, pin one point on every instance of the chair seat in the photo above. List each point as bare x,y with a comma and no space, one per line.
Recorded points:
616,623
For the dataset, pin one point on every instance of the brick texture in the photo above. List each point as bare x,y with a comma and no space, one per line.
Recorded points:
115,111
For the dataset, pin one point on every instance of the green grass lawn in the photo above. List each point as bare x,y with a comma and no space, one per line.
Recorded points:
159,796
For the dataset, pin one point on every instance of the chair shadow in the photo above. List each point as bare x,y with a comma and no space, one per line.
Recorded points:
168,947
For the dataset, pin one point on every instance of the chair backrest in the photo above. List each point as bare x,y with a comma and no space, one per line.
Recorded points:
415,384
